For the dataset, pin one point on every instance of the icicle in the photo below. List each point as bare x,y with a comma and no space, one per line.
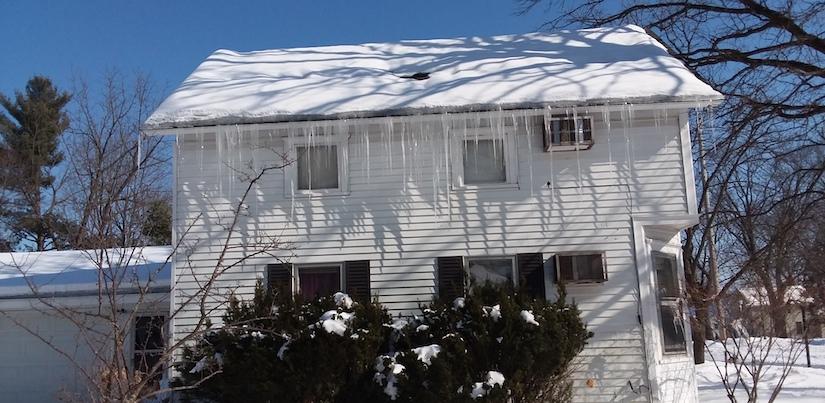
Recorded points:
528,129
547,127
578,132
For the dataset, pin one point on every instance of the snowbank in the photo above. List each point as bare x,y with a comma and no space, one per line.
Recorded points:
594,66
803,384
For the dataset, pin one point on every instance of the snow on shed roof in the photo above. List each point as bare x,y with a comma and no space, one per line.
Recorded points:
76,271
566,68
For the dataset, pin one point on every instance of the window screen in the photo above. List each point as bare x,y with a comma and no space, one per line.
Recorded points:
317,167
570,131
581,268
495,270
484,161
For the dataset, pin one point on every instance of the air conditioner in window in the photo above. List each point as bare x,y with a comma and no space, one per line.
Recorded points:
581,268
568,133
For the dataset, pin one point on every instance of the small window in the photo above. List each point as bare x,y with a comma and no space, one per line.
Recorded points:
149,343
581,268
499,270
317,167
484,161
670,304
316,282
568,133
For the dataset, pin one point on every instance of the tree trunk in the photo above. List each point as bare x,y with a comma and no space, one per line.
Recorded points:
778,317
698,325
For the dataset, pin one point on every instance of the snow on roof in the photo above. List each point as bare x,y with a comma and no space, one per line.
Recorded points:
567,68
71,271
794,294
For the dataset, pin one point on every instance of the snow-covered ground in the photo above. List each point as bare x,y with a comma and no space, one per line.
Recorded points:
802,385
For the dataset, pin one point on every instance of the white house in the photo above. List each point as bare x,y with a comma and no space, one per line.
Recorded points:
532,158
46,338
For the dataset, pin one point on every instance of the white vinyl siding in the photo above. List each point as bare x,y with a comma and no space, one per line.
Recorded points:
402,212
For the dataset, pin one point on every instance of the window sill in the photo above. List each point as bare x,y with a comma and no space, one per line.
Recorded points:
487,186
570,147
309,194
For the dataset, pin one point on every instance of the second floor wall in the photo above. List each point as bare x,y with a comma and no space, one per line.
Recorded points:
405,176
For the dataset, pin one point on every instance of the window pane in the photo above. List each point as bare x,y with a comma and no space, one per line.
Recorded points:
484,161
149,332
498,271
672,329
319,281
667,284
589,267
569,131
144,362
318,167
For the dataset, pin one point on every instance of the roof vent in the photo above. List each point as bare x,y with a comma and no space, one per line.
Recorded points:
421,75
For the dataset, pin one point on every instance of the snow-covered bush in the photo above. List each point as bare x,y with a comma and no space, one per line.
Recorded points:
494,345
288,351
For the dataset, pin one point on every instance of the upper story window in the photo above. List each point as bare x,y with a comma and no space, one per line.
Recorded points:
669,294
581,268
319,166
484,162
564,133
484,159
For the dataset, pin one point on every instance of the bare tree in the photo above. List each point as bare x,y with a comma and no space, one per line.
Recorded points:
766,57
114,175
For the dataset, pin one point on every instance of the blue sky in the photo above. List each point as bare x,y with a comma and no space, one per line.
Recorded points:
168,39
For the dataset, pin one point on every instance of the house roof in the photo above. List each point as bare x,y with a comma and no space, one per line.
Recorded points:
566,68
74,272
758,296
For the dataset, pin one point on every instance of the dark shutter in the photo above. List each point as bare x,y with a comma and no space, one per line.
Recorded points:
357,275
565,268
531,274
279,278
450,277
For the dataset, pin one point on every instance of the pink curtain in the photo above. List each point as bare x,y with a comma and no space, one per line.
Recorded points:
319,282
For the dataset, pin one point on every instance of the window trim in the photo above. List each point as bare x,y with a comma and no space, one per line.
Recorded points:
296,274
511,168
341,141
675,303
513,264
549,146
559,279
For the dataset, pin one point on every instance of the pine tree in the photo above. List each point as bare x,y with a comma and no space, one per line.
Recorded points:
157,227
31,130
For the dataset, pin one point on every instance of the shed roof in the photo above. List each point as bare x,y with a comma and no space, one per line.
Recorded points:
73,272
566,68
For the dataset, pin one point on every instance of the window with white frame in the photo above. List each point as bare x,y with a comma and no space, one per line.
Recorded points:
482,158
497,270
149,342
319,165
669,297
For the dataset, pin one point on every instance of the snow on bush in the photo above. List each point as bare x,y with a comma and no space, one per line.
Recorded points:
333,349
494,378
528,317
427,353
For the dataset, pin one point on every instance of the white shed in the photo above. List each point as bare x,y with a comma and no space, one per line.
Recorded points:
44,348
